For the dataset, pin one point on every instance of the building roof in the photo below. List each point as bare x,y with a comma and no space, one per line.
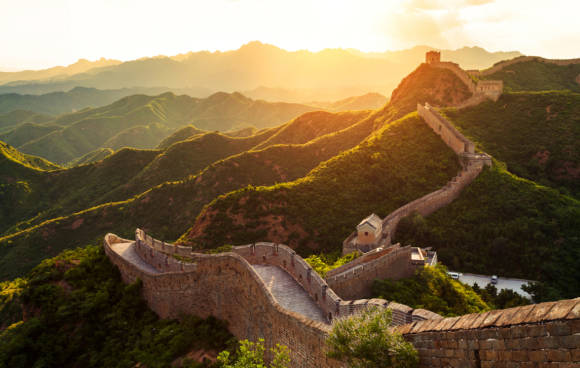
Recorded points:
373,220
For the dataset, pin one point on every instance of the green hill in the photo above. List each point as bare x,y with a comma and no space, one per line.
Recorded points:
143,121
180,135
311,125
10,120
140,136
550,123
509,226
27,132
31,196
167,210
13,161
96,155
537,75
401,162
77,98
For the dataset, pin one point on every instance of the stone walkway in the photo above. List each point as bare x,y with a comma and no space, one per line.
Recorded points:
288,293
127,251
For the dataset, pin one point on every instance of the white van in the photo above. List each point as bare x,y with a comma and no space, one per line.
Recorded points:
494,279
454,275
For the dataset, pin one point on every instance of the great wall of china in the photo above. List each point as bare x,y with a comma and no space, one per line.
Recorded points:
266,290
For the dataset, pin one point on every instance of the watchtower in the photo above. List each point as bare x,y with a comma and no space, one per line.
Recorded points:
432,57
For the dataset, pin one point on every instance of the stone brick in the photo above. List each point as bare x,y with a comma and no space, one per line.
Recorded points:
540,311
570,341
505,355
574,325
488,355
536,330
559,328
575,311
560,309
520,355
537,355
547,342
529,343
575,354
489,333
558,355
522,314
498,344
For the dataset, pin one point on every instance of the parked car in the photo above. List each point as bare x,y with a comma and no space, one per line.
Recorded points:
454,275
494,279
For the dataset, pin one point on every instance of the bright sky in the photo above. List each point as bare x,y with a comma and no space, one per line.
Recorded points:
42,33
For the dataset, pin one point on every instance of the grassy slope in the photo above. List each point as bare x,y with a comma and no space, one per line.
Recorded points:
538,76
93,156
61,192
550,123
169,209
311,125
96,127
431,288
180,135
140,136
90,129
13,118
401,162
26,132
509,226
75,311
13,161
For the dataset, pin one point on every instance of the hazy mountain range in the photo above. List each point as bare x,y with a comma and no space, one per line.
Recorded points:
329,74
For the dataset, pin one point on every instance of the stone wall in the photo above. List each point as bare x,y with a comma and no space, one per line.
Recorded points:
489,89
460,73
364,258
158,254
427,204
540,335
227,287
356,282
451,136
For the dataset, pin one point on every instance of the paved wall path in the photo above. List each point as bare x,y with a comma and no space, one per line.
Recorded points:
127,251
288,292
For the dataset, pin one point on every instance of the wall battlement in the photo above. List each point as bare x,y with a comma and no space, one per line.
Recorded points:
480,90
226,286
159,255
545,334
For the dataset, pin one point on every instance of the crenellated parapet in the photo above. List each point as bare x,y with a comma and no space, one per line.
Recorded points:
537,335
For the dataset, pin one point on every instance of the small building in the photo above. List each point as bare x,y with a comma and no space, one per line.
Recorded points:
432,57
369,230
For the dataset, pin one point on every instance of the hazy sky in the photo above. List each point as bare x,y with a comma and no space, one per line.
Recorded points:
42,33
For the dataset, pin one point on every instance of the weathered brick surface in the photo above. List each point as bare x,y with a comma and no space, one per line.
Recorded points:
227,287
517,337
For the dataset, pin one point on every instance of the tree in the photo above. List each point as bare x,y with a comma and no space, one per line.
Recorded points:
251,355
366,339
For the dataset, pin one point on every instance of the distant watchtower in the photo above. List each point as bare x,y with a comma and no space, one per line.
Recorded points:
432,57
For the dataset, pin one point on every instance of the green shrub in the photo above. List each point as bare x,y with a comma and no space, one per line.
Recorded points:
366,340
431,288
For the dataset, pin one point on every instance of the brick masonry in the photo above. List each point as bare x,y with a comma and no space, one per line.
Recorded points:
226,286
540,335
